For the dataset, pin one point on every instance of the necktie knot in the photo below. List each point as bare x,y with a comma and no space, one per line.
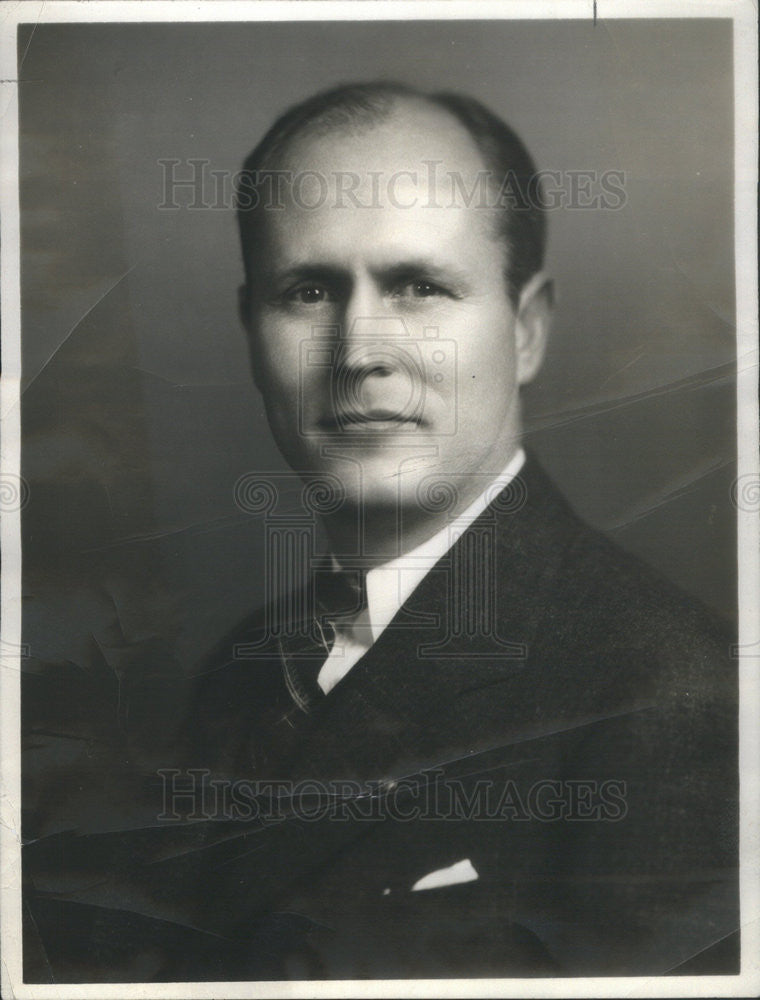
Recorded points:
338,597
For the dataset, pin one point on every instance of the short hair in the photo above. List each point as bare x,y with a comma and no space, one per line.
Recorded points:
356,107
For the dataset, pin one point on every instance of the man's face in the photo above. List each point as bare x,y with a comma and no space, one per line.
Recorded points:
383,337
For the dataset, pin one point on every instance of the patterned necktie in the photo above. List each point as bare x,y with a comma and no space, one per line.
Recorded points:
338,597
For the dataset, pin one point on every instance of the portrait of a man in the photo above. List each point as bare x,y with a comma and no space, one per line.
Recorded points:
396,708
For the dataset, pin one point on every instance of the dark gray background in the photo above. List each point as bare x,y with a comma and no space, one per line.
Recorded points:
138,411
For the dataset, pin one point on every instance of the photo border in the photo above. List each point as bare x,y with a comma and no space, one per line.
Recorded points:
744,17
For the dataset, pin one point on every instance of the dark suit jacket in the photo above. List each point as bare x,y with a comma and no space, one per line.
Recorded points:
567,728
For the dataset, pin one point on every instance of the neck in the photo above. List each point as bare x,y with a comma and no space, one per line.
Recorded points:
378,534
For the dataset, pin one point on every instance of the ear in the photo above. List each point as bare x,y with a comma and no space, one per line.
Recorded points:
244,311
532,323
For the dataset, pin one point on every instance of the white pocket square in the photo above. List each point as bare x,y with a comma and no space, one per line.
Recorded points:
460,871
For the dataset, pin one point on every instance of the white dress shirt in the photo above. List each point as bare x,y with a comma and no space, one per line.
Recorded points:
391,583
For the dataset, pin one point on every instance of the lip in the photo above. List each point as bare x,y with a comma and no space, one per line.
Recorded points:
354,421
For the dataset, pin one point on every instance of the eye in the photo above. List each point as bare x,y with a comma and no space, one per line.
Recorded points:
308,295
421,288
424,289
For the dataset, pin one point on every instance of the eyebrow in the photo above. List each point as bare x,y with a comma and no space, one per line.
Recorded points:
416,267
419,267
312,272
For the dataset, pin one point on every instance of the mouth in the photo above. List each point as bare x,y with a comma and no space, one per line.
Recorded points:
376,421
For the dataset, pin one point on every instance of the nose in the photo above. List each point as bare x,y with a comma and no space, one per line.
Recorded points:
371,336
372,366
372,346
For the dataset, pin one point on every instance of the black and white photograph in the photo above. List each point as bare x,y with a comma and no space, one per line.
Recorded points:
380,499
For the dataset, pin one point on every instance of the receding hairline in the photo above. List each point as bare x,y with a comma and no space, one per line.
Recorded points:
358,122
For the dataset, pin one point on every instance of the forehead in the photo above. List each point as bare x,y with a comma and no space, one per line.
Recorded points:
414,133
386,187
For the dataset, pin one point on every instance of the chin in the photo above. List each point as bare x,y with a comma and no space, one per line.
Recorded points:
375,483
403,488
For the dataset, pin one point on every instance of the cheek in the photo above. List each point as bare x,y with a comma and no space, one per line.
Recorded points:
279,356
487,358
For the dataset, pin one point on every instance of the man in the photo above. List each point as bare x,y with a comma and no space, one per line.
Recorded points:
477,739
